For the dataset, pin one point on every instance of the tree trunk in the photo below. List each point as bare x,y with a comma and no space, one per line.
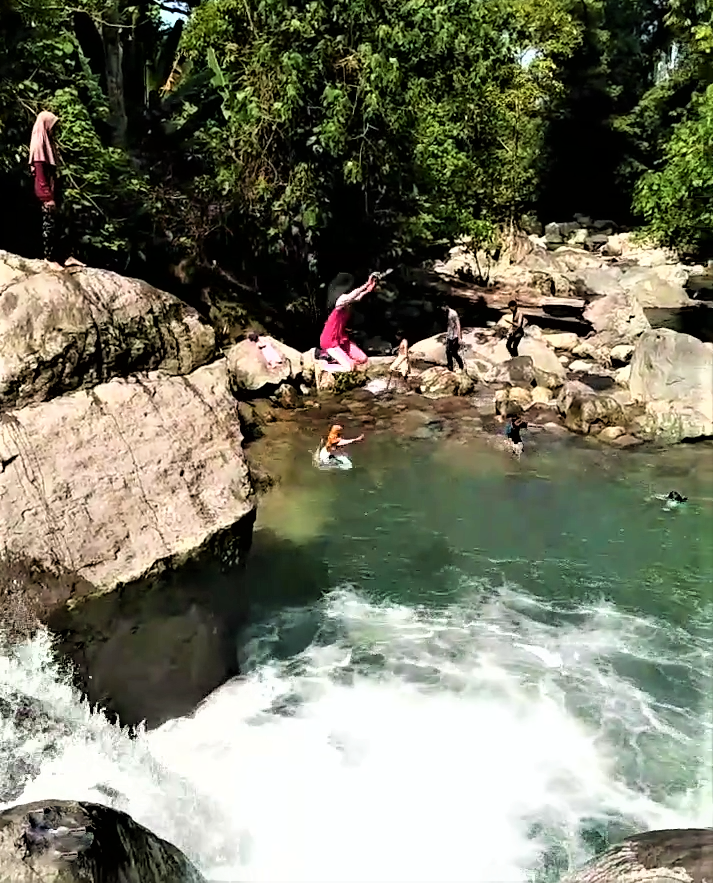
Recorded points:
114,60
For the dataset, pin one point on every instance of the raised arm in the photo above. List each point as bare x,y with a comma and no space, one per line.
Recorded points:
343,442
353,296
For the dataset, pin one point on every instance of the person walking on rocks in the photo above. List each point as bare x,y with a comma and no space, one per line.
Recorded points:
517,328
453,336
334,339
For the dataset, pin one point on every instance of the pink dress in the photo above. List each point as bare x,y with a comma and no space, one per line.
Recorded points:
334,331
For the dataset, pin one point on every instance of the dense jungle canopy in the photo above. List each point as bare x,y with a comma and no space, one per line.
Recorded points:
273,142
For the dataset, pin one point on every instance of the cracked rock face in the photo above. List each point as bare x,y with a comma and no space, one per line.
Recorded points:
119,482
62,331
62,841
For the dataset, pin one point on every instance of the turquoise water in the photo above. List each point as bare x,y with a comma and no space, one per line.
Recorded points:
458,667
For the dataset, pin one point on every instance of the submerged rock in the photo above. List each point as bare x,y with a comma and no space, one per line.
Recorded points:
125,480
62,331
683,855
61,841
439,381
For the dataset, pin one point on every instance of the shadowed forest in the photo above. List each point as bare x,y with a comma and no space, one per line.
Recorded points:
257,147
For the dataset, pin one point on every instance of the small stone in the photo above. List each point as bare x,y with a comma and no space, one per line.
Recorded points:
622,352
540,395
579,366
611,433
567,340
627,441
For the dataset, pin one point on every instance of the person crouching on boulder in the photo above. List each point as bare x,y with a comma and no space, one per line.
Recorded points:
334,339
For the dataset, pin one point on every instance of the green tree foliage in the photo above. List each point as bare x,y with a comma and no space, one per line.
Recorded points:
375,125
677,200
262,145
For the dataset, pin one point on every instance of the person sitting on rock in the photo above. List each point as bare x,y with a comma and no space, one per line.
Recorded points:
334,339
453,336
517,328
512,433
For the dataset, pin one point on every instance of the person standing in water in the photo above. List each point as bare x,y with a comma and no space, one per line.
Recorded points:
43,163
401,364
453,336
330,449
512,434
334,339
517,328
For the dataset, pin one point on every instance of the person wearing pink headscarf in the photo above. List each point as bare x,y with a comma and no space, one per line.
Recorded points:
43,163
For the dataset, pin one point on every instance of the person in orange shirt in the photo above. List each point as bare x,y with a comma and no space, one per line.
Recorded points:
329,454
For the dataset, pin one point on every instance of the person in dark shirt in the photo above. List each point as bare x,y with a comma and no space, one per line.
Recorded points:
517,328
453,335
512,433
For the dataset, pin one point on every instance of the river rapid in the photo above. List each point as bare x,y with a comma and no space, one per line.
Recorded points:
457,667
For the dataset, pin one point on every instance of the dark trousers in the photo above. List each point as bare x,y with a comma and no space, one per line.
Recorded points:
513,341
452,347
49,232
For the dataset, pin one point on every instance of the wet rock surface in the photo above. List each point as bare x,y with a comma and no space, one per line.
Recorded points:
65,841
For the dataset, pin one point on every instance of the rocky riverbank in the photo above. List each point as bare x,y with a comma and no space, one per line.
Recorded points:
617,376
124,481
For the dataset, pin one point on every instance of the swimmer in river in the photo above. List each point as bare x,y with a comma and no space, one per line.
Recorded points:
512,433
329,453
671,500
675,497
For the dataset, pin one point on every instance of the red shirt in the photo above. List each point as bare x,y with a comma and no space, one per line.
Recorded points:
44,181
334,331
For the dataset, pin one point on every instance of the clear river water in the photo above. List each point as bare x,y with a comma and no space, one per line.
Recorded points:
458,667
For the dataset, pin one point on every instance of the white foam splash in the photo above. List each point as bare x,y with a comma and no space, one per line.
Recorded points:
408,745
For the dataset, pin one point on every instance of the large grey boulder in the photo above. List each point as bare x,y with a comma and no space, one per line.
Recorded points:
62,841
549,371
655,287
672,374
617,317
62,331
130,478
682,855
250,373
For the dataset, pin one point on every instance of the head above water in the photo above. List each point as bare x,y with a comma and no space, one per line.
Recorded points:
676,497
512,305
335,434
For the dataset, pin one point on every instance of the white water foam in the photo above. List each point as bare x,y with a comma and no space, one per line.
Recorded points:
402,745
